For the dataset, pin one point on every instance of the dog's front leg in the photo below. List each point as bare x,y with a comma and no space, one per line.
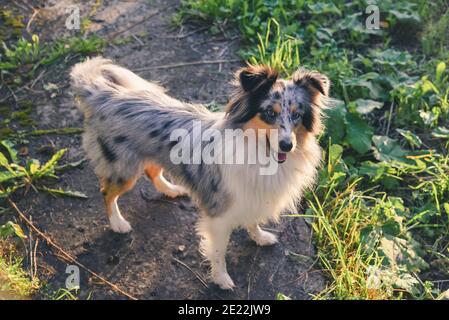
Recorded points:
215,233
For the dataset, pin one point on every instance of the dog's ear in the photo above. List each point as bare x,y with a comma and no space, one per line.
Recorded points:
317,85
312,80
254,83
257,78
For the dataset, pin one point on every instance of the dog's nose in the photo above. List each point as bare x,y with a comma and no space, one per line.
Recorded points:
285,145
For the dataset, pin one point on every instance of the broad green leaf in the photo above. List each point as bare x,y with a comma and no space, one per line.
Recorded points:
427,86
401,252
366,81
49,166
390,182
335,152
441,67
12,153
7,175
6,192
392,227
10,228
323,8
358,133
441,132
413,139
369,238
71,165
3,160
405,16
387,149
67,193
401,279
391,57
336,122
34,166
365,106
371,169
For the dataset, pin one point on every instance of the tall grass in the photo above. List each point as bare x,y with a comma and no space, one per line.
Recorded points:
276,50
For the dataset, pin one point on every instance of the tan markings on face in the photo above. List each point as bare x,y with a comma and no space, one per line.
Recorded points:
277,108
293,107
301,133
257,123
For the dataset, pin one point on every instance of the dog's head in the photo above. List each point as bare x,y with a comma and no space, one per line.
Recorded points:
292,107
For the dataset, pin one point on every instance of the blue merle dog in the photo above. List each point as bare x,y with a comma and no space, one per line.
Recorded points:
128,122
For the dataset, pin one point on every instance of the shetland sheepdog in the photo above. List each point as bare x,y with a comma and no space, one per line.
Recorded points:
128,130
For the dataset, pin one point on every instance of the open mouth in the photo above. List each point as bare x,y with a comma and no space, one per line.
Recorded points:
280,157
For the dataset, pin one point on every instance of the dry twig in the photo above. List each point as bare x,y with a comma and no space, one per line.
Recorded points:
63,254
203,282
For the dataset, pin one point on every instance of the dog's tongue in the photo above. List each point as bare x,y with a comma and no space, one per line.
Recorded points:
282,156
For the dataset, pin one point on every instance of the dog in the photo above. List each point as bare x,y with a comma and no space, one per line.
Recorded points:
128,122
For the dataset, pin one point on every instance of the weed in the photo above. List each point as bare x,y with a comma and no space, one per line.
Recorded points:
14,176
15,282
27,56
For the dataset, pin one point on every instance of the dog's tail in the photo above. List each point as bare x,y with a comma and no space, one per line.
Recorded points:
99,75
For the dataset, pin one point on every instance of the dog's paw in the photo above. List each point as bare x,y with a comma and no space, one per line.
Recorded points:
265,238
120,225
223,280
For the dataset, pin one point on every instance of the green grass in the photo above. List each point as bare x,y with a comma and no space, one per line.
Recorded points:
29,55
380,212
15,282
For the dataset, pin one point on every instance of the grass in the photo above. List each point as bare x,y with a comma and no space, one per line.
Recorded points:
29,55
15,282
380,212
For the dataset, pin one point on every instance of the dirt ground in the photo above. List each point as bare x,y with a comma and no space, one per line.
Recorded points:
160,258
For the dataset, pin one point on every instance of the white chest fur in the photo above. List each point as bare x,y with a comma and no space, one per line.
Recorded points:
259,198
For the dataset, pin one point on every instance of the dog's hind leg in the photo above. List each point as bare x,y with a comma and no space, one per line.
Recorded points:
261,237
154,172
112,191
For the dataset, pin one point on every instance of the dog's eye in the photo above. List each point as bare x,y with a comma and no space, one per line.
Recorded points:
270,113
295,116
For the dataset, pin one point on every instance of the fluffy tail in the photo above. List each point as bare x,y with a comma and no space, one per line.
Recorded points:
99,75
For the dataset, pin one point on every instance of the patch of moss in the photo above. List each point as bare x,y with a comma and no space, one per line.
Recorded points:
10,24
21,117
